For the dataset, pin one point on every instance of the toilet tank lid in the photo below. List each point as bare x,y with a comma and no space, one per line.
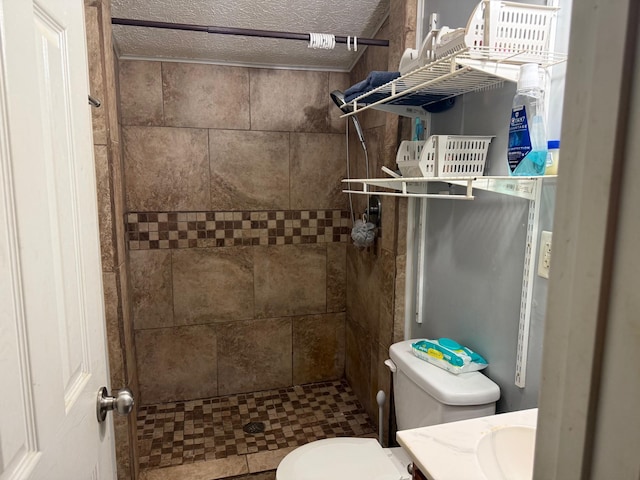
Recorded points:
471,388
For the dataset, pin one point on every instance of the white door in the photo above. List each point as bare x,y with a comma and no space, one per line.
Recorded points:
52,340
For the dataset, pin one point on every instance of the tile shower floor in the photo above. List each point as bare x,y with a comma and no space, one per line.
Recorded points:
182,433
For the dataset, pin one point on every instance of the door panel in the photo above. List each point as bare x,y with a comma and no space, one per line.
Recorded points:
18,435
60,164
55,349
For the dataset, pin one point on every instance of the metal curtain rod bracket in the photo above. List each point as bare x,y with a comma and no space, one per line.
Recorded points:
94,102
247,32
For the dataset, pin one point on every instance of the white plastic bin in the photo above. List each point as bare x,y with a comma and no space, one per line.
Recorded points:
458,155
409,160
444,156
507,28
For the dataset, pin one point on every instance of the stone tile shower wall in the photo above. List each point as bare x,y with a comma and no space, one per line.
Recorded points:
111,207
235,226
376,275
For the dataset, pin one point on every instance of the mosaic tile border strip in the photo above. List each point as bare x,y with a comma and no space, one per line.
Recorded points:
185,432
160,230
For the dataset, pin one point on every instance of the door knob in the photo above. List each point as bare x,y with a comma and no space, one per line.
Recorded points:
122,403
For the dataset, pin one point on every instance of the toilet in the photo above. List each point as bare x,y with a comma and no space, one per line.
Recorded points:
424,395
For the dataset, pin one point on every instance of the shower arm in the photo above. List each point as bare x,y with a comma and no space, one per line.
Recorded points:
247,32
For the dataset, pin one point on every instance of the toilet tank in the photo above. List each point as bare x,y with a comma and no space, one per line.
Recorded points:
428,395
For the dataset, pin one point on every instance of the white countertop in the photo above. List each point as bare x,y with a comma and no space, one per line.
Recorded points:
448,451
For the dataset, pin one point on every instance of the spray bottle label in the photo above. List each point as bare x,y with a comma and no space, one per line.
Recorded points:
519,137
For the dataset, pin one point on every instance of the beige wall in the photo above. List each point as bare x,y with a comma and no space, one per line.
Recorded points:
235,225
376,275
109,167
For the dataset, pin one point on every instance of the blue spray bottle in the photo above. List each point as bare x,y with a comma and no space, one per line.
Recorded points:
527,151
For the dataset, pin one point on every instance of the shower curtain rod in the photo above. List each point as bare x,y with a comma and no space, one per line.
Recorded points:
247,32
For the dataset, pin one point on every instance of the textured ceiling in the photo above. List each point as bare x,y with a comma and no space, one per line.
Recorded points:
360,18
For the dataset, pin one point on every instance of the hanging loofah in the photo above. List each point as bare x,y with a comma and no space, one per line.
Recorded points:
363,233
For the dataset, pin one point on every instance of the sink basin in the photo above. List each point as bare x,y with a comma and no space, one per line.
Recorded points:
506,453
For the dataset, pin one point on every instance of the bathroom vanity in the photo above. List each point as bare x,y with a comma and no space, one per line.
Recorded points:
495,447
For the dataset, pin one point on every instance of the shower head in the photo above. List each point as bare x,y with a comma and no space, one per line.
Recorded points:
338,98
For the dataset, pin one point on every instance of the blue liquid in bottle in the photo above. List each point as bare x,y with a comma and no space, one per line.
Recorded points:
527,151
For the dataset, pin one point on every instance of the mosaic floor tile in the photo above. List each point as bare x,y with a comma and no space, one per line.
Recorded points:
185,432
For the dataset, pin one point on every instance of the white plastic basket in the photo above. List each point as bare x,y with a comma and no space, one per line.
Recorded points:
440,43
449,42
457,155
443,156
410,161
507,28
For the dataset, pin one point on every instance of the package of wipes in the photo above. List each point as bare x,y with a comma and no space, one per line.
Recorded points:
448,355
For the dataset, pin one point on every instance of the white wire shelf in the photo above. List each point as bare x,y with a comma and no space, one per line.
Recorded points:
521,187
467,70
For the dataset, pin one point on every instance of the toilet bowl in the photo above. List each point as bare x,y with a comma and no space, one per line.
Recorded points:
424,395
344,459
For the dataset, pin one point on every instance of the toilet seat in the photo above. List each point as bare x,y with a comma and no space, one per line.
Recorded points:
341,459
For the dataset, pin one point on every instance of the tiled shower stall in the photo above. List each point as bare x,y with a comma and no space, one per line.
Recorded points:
236,274
235,228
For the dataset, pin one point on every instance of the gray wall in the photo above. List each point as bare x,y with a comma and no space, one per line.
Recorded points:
452,13
475,254
475,250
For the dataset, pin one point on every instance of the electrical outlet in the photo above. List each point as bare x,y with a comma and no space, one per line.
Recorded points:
544,257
